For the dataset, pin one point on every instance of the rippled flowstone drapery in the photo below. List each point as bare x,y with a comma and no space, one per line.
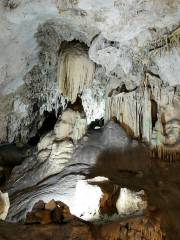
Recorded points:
58,164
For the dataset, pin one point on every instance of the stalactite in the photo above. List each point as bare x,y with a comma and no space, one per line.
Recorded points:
134,110
166,153
75,70
129,108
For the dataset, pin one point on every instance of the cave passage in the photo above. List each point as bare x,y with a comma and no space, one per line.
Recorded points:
48,125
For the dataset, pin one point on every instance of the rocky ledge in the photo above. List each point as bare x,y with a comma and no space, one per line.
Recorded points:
53,220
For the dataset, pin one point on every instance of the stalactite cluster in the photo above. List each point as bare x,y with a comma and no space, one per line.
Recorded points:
141,112
75,70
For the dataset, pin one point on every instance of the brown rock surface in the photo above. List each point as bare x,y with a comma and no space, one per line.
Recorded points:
39,205
60,224
51,205
42,216
109,198
51,212
159,179
134,229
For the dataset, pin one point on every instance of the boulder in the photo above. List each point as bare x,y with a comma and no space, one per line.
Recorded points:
51,212
39,205
51,205
41,216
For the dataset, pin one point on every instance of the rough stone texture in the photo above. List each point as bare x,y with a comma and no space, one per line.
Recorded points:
35,90
135,110
120,44
137,228
130,202
93,97
51,205
51,212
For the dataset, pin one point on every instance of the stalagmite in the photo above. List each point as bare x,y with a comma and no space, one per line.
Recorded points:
75,70
71,125
130,202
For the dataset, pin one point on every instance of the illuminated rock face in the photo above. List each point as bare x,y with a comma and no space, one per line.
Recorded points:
130,203
142,109
86,200
58,164
98,199
4,205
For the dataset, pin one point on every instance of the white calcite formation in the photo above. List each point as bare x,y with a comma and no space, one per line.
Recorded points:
4,205
86,199
151,111
93,98
130,202
86,203
75,70
49,56
55,149
72,125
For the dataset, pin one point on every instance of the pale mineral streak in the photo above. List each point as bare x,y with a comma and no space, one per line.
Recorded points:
4,205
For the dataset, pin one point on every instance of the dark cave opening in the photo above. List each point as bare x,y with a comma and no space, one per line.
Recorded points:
50,119
77,105
96,124
154,111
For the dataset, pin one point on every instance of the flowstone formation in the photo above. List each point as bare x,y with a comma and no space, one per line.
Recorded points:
89,108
